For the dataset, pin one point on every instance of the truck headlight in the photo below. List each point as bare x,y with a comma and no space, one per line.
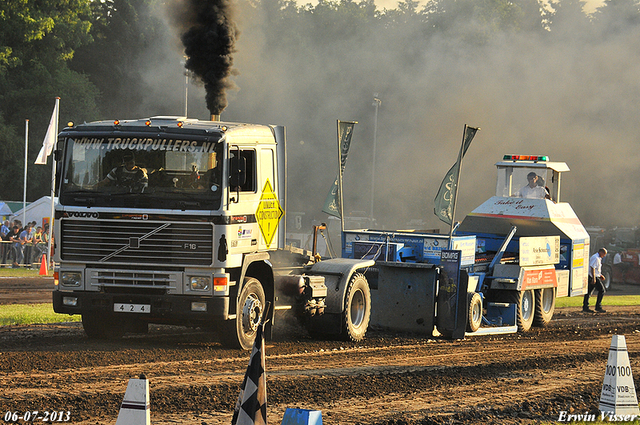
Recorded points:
71,278
200,283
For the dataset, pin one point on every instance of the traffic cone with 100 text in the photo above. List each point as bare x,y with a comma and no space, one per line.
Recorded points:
618,397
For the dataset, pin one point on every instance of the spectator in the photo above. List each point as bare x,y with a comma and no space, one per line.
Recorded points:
45,240
39,246
16,244
29,246
4,241
25,241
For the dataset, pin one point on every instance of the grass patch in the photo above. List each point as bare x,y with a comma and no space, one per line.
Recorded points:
27,314
21,272
612,300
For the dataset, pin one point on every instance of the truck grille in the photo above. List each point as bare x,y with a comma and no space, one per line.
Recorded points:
138,279
136,242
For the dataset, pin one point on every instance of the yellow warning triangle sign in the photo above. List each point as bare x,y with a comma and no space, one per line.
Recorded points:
618,396
268,213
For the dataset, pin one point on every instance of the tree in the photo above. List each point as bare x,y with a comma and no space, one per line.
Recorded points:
568,20
617,17
37,39
476,22
123,32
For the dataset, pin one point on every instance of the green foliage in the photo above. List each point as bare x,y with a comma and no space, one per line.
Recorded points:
28,314
620,300
21,272
37,39
123,32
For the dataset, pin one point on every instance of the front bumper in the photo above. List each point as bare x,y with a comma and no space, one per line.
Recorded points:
169,309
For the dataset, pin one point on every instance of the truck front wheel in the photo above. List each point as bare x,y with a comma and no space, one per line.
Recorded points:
357,308
241,332
545,306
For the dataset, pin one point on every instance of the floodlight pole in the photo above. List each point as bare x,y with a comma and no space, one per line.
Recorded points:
376,103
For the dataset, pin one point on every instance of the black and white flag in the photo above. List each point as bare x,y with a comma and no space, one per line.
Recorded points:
251,408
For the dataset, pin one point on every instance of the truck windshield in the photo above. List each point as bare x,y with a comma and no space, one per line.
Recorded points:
141,173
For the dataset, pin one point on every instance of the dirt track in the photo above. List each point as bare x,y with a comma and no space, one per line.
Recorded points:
387,379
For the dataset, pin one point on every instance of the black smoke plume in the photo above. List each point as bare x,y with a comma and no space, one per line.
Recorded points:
209,36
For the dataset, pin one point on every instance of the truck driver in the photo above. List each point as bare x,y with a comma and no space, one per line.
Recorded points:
127,175
532,190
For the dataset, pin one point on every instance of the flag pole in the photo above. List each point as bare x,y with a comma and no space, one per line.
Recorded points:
53,180
24,192
455,192
340,178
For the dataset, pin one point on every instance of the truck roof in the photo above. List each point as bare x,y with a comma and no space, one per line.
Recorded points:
171,124
560,167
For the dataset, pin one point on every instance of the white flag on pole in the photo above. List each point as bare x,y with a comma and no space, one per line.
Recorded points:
49,138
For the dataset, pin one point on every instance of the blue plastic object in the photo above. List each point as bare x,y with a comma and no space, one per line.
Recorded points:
302,417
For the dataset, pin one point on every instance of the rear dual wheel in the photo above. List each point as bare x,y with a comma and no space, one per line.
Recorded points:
526,309
545,306
357,308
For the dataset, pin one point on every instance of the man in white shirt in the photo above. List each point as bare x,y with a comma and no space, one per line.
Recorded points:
596,280
533,190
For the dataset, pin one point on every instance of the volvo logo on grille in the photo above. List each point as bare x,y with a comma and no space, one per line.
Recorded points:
134,242
77,214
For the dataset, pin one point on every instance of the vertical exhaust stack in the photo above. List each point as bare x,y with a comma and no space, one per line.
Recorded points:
209,35
215,117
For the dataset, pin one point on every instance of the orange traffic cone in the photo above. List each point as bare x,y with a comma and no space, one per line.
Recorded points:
43,266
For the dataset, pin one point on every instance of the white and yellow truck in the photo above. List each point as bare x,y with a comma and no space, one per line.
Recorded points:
178,221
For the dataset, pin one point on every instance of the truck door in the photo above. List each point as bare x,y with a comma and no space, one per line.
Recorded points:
253,193
269,211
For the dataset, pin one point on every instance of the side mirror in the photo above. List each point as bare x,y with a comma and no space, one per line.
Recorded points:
57,154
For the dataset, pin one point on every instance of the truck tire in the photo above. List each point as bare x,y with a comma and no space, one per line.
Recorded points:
357,308
545,306
474,315
241,332
608,277
96,327
526,309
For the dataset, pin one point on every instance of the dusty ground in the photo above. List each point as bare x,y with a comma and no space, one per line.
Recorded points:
387,379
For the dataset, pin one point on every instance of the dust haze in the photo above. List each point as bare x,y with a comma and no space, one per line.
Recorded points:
572,97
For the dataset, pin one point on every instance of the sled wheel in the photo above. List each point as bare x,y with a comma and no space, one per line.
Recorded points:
474,314
241,332
357,308
526,307
545,306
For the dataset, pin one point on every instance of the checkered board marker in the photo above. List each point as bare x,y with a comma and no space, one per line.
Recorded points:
251,408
